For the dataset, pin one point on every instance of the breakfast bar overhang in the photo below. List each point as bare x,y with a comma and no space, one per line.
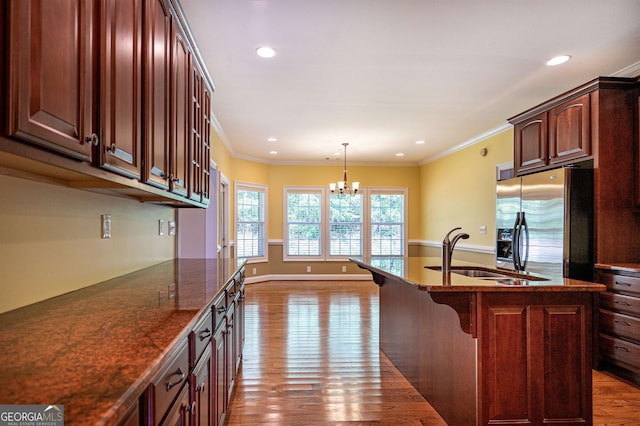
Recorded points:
485,352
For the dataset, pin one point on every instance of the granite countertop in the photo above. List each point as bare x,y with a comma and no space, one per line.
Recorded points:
627,266
96,350
415,271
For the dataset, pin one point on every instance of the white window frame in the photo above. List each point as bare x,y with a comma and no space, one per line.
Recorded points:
405,228
244,186
363,239
285,226
324,222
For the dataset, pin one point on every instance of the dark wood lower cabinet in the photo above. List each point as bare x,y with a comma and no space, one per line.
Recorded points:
195,385
492,357
535,356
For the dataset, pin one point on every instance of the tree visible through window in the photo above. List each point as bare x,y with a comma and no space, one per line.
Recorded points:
304,214
345,225
250,221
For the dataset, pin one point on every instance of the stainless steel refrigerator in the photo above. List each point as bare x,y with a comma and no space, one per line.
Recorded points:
544,223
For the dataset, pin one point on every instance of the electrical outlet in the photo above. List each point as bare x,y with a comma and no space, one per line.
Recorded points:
344,268
483,230
105,226
308,268
254,271
160,227
172,228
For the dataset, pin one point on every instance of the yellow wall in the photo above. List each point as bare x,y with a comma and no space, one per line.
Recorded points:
459,190
50,241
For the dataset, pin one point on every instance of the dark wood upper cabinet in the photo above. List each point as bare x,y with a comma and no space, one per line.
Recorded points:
570,130
180,103
121,87
157,55
50,71
530,147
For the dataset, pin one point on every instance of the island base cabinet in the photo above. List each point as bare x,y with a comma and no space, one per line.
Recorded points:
534,354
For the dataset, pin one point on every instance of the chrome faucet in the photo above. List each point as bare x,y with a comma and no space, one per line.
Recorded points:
447,253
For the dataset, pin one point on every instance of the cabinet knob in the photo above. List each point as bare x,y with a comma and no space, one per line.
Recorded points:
93,139
111,148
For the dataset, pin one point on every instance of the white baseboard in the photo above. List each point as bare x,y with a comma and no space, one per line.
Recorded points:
308,277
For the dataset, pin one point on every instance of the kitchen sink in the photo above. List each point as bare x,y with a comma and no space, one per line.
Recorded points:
483,273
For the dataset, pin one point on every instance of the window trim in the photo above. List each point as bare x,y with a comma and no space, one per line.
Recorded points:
286,257
324,222
245,186
405,228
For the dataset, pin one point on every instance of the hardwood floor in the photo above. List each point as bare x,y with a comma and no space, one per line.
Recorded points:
311,357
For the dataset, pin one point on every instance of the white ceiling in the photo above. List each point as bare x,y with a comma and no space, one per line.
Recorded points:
382,74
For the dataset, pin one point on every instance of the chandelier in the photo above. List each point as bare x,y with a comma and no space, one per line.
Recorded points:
343,185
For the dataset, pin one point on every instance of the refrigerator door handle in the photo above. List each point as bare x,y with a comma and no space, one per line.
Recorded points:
525,244
515,243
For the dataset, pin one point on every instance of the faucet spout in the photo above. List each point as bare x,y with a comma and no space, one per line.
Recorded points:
448,244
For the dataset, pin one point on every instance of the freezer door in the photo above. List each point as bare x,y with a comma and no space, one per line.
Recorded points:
507,209
543,202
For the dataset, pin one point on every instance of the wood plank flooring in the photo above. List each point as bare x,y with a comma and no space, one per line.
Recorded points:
311,357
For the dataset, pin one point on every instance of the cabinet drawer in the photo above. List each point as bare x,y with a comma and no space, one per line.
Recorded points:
622,283
620,352
200,338
620,303
170,380
230,290
620,325
219,310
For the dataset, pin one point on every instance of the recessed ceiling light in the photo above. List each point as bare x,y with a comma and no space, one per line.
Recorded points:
271,139
400,154
273,152
557,60
266,52
419,142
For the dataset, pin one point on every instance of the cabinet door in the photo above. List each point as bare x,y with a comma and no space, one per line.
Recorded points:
206,144
219,375
202,395
50,74
530,137
520,335
157,69
120,87
178,415
195,143
231,353
570,130
181,98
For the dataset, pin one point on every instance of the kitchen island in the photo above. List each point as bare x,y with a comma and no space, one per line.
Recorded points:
489,351
126,350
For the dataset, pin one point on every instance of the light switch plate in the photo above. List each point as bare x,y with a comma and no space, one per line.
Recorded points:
160,227
105,225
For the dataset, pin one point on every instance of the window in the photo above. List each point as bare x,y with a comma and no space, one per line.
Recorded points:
345,225
251,222
388,242
323,226
303,223
387,224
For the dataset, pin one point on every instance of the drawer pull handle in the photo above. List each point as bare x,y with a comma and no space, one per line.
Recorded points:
622,348
205,334
622,323
221,309
181,377
618,302
624,284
